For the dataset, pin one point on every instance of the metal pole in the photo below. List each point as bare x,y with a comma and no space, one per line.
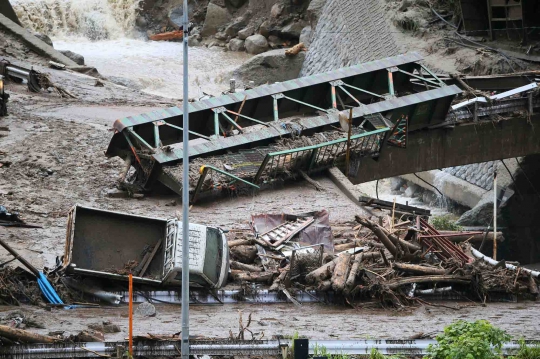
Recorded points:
185,195
495,215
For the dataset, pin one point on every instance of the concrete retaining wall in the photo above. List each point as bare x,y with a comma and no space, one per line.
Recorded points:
33,42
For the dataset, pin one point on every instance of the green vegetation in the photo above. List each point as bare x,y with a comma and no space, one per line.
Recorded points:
375,354
321,351
445,223
469,340
527,352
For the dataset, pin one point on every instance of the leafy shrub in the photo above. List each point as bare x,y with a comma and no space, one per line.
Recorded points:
444,223
528,352
469,340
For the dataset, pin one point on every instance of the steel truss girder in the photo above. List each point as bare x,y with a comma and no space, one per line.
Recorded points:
307,95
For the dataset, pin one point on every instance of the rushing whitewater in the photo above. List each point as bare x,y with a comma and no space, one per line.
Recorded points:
93,19
104,32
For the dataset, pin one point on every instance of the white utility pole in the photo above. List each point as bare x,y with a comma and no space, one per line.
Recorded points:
185,195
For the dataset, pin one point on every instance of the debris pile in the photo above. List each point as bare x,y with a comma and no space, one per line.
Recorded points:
392,265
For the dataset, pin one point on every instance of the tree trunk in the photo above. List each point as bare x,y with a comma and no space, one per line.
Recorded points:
24,336
343,247
396,283
418,269
239,242
339,277
322,273
458,237
166,36
241,276
351,279
279,282
245,267
324,286
376,229
244,254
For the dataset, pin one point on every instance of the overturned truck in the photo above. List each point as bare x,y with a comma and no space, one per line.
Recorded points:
111,245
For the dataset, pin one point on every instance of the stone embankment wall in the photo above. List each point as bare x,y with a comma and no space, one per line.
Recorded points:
348,32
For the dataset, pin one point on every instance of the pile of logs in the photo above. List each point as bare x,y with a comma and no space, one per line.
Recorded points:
390,264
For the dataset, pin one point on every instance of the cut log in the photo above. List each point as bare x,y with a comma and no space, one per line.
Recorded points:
295,49
167,36
474,237
279,282
24,336
396,283
241,276
339,277
418,269
244,254
353,274
239,242
245,267
322,273
324,286
344,247
377,230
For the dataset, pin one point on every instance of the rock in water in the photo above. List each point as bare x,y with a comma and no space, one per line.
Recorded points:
79,59
270,67
236,45
44,38
256,44
216,17
146,310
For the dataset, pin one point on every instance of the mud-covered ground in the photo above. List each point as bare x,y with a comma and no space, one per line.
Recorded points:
315,321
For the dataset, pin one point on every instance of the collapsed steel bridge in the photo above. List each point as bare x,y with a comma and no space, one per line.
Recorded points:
381,92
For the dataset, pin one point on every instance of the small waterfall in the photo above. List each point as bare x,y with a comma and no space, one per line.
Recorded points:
438,182
92,19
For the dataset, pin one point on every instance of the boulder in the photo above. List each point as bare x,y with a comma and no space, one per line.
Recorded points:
79,59
221,36
411,190
46,39
256,44
145,310
275,42
277,10
193,41
269,67
141,22
305,36
236,3
216,17
245,33
264,29
237,45
233,29
123,81
293,30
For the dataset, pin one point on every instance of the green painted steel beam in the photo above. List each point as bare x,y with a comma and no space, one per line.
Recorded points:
230,175
351,96
365,91
248,118
156,135
433,74
238,127
181,129
305,104
307,148
140,139
419,77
